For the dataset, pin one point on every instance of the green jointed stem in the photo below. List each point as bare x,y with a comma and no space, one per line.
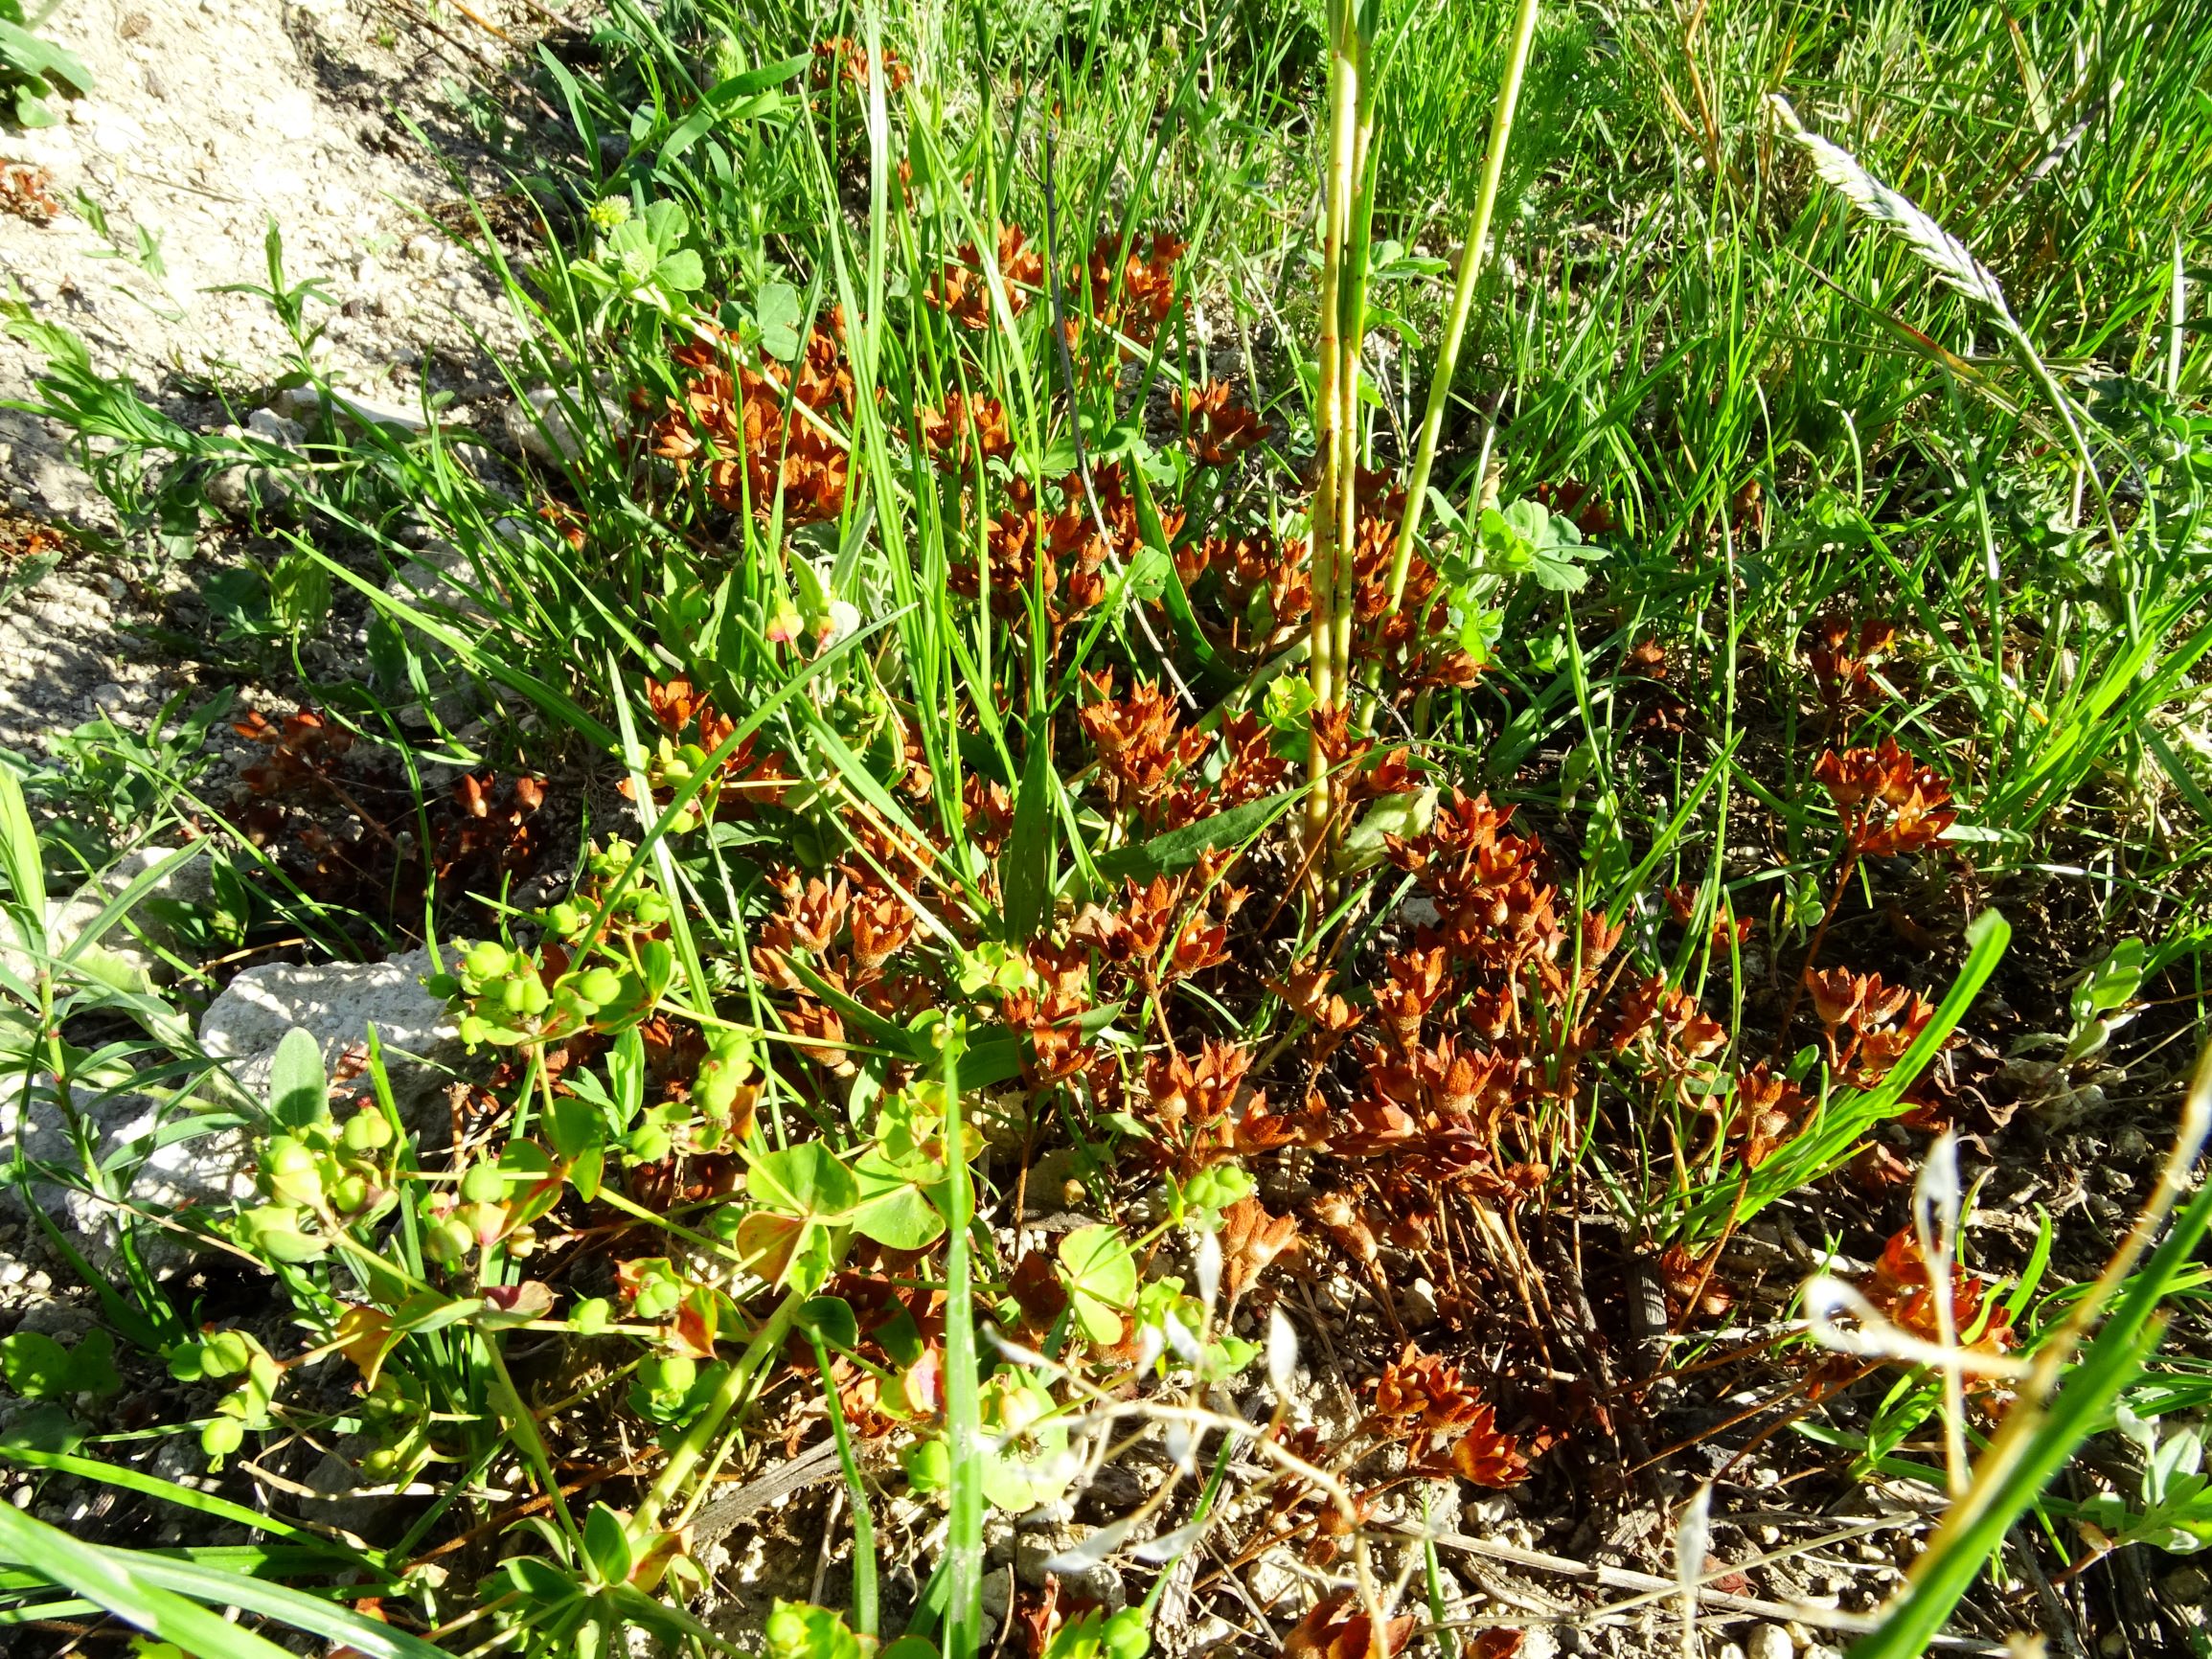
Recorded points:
1343,260
1462,297
1321,660
1350,338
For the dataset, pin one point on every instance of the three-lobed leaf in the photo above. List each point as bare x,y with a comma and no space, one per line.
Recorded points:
1101,1280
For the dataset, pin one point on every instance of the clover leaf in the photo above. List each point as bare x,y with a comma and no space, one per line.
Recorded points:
1102,1281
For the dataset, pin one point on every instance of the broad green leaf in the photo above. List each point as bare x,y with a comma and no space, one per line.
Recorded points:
299,1090
1025,867
1101,1280
775,311
681,270
893,1211
1180,848
832,1318
806,1181
20,863
607,1542
1403,815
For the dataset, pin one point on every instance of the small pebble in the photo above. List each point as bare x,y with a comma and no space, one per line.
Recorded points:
1769,1642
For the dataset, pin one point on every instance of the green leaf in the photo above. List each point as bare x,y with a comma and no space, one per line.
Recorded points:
1155,536
742,97
2111,983
1851,1112
775,311
43,1430
168,1491
832,1318
806,1181
1288,705
39,1367
1025,867
20,863
92,1365
299,1091
894,1211
1101,1280
802,1630
35,1365
1403,815
663,226
681,270
606,1541
574,1124
1180,848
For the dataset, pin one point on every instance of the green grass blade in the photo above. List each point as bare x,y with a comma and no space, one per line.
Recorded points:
963,1397
1851,1113
317,1616
128,1588
168,1491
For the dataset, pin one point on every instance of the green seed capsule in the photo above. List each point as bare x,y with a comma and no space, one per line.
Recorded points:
295,1173
368,1131
670,1373
488,960
599,984
225,1354
484,1184
448,1241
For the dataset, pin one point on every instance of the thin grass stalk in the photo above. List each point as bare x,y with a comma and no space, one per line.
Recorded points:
864,1601
2176,324
963,1397
1462,298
